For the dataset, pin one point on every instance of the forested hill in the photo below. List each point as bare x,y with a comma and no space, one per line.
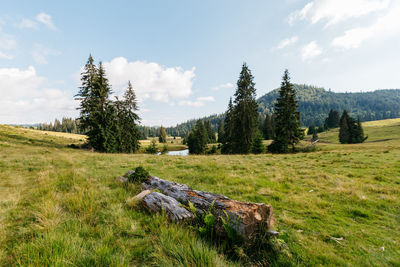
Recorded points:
315,103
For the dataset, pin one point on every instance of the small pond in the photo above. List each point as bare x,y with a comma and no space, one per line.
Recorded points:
184,152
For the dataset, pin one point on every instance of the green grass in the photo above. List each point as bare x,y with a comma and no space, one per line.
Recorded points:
61,206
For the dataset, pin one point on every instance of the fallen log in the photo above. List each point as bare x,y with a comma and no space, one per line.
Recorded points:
246,218
158,202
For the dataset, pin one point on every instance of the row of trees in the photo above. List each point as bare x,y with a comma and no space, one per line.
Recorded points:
240,132
111,125
66,125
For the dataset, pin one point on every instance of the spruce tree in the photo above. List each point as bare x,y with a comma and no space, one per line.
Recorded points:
287,118
267,128
344,131
257,146
210,132
162,135
228,129
245,114
221,132
314,136
311,129
197,139
128,120
333,119
84,96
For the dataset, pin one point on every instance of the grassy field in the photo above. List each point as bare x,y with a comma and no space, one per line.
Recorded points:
60,206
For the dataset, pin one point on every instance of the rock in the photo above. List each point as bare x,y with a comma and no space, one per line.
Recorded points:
121,179
157,202
245,217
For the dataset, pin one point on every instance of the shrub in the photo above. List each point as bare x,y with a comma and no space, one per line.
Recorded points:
152,148
140,175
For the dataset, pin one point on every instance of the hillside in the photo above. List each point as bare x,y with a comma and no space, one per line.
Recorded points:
61,206
315,104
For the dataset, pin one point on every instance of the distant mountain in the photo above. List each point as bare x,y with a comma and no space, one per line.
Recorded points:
315,103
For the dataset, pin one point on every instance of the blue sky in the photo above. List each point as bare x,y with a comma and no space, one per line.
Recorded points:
184,57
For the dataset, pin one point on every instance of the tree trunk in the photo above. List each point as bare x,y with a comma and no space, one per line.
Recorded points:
245,217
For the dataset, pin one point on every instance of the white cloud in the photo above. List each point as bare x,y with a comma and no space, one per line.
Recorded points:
206,99
46,20
27,24
386,25
287,42
5,56
222,86
310,51
40,53
7,42
150,80
334,11
27,99
189,103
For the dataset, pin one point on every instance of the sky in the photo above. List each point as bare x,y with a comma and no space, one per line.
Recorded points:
184,57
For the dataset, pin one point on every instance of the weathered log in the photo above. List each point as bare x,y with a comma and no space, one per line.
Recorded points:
247,218
158,202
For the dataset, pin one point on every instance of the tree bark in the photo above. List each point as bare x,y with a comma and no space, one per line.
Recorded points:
245,217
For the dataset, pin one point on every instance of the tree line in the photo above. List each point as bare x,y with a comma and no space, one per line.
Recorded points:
66,125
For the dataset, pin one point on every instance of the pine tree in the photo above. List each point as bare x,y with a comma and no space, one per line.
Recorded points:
333,119
245,114
287,120
311,129
127,122
267,128
162,135
344,131
197,139
228,129
210,132
84,96
221,132
257,146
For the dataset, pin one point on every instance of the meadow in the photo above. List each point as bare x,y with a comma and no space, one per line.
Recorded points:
59,206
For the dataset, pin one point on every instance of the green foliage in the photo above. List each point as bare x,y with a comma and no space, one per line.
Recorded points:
228,129
197,139
257,146
111,126
210,132
139,175
245,116
221,131
165,149
268,129
162,135
311,129
152,148
333,119
351,131
287,119
314,136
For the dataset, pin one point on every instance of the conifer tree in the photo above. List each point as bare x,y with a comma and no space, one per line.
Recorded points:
197,139
267,128
85,95
221,132
311,129
228,129
287,118
333,119
344,131
128,132
245,114
257,146
210,132
162,135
